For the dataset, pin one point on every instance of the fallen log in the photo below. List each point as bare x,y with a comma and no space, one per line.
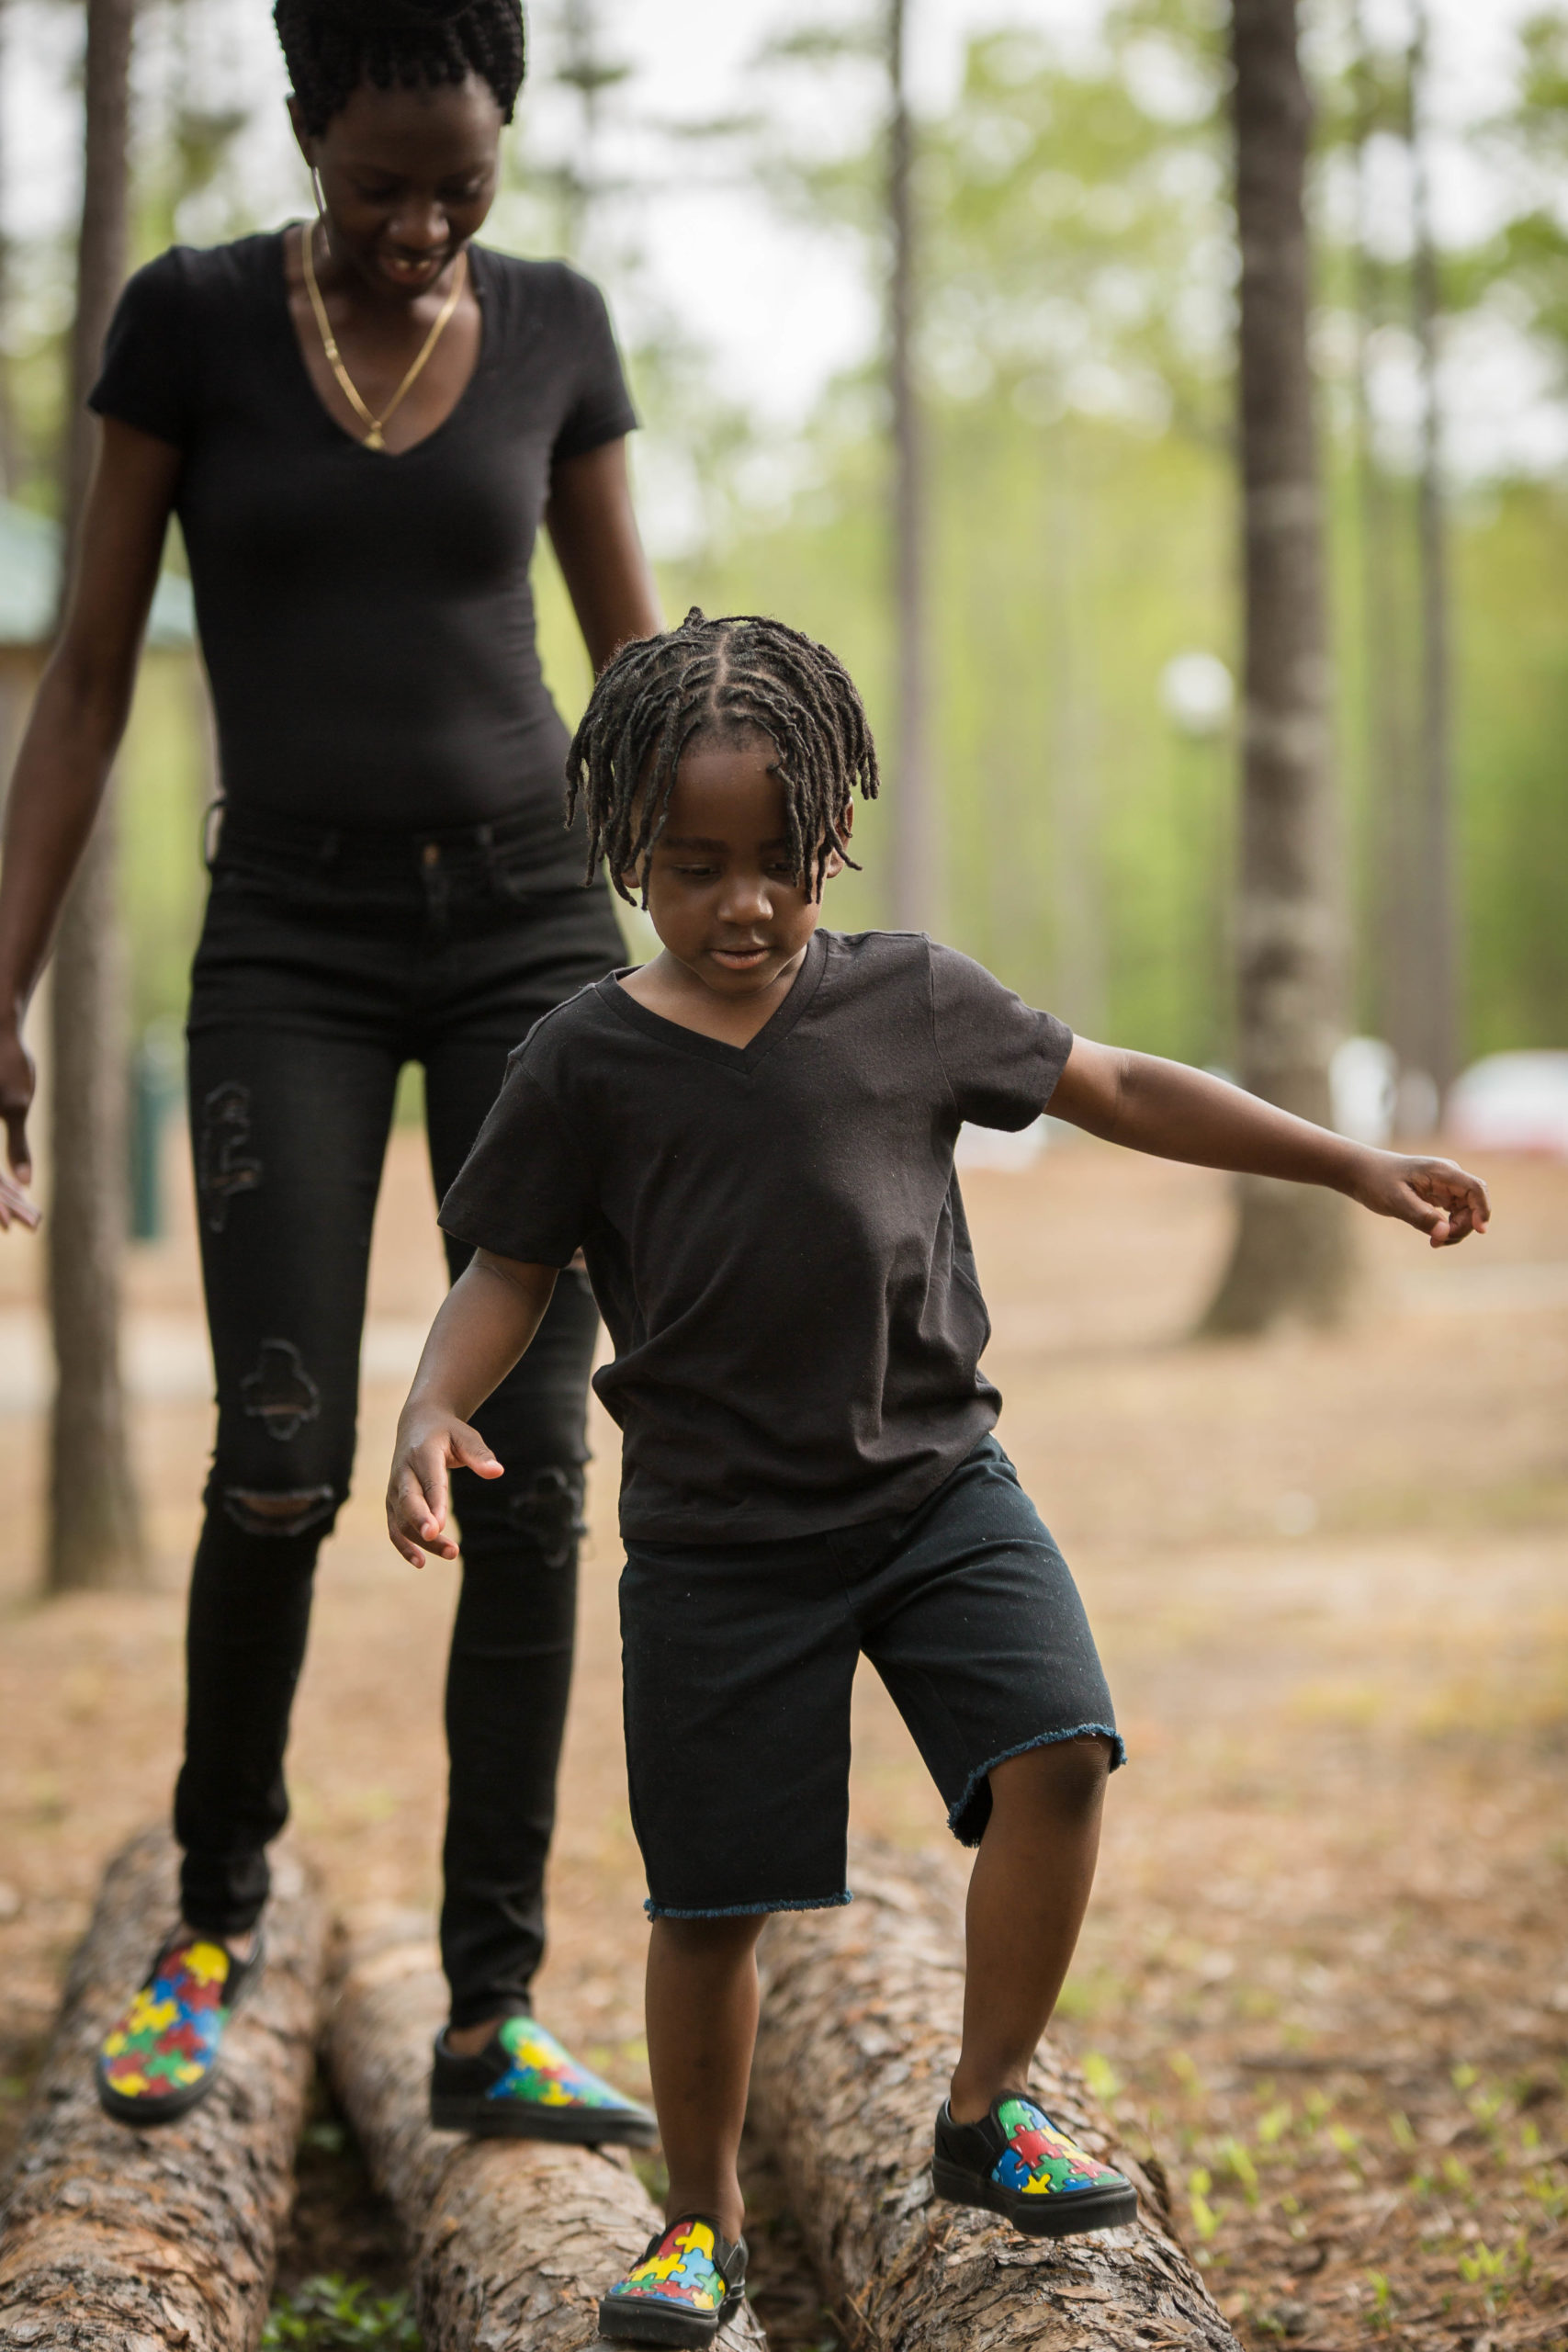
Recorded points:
164,2236
860,2015
511,2242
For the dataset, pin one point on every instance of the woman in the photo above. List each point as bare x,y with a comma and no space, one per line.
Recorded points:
360,425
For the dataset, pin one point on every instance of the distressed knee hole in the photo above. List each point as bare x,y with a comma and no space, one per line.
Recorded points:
548,1515
280,1393
223,1167
262,1511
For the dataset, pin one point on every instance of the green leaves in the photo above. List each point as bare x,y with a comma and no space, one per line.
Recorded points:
337,2315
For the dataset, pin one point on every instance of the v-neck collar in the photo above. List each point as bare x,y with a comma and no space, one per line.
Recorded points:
478,264
744,1059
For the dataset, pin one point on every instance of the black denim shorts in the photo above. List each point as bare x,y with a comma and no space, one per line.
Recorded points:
739,1661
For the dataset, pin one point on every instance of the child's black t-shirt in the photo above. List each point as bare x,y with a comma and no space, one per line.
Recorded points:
774,1232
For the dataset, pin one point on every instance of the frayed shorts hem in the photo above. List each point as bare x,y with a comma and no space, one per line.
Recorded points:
751,1910
977,1779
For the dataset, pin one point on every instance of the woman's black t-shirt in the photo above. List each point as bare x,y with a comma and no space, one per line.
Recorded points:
366,620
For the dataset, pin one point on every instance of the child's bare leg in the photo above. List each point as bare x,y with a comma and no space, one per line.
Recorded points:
702,2027
1027,1897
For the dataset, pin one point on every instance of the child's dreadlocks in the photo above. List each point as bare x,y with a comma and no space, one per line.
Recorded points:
742,676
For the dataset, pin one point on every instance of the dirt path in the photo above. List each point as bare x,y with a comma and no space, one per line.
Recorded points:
1324,1970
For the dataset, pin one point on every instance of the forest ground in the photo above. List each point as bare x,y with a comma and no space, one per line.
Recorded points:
1325,1974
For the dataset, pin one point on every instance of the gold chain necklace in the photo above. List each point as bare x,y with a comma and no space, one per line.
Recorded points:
373,438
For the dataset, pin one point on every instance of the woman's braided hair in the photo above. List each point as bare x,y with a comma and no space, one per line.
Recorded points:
331,46
737,678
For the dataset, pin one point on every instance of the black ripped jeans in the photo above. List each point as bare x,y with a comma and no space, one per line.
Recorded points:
327,961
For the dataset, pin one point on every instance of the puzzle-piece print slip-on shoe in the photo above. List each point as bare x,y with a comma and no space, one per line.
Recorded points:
161,2055
681,2291
524,2086
1016,2161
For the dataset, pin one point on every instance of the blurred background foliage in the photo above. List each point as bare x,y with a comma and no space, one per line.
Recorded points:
1075,288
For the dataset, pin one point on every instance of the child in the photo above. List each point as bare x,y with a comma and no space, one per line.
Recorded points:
751,1139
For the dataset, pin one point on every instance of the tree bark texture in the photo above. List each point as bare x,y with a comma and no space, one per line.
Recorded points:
511,2242
914,843
164,2236
862,2010
1290,1255
95,1524
1436,993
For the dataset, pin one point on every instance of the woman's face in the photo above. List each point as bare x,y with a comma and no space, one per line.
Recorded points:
407,177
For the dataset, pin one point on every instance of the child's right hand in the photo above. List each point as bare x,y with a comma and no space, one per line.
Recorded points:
430,1443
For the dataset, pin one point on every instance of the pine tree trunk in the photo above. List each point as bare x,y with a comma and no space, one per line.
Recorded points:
10,469
915,863
862,2010
94,1527
1437,992
511,2242
162,2240
1291,1254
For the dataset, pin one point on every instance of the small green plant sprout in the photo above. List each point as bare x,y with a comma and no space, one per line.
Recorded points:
1184,2066
1543,2189
1382,2301
1237,2161
1456,2174
1402,2132
1274,2122
1100,2076
337,2315
1488,2267
1205,2220
1316,2109
1463,2075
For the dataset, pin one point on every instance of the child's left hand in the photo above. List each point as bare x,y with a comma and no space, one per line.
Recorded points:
1435,1195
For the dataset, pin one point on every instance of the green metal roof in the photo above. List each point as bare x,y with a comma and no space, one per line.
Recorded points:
30,587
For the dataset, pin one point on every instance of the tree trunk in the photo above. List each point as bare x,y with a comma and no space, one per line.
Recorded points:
915,863
1436,992
10,455
1385,626
1077,896
164,2236
512,2242
860,2016
1291,1252
94,1525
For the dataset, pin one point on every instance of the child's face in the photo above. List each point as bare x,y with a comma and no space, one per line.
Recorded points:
720,893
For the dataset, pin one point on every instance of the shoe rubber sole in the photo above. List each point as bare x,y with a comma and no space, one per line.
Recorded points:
580,2127
1052,2216
145,2113
630,2319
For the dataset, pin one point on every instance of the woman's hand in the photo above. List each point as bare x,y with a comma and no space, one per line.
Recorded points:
1436,1197
16,1080
431,1442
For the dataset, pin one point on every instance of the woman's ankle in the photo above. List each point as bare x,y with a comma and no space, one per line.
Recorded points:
243,1945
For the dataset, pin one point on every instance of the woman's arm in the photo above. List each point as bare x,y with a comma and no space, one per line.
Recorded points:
487,1320
74,730
593,529
1180,1113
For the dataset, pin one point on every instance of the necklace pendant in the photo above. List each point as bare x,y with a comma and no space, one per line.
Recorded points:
373,438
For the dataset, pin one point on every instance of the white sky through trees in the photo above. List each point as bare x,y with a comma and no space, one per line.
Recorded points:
776,307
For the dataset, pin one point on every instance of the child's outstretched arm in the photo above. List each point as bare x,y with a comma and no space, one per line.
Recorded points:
1180,1113
488,1319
